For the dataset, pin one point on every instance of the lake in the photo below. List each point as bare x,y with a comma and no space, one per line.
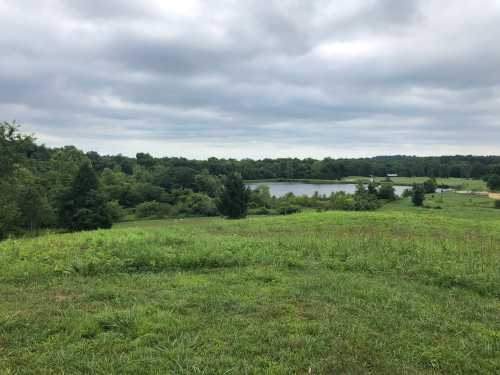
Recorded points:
279,189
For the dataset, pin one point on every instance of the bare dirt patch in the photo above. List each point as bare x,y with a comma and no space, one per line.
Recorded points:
62,297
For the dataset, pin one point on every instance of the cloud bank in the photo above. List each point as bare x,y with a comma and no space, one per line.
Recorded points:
256,78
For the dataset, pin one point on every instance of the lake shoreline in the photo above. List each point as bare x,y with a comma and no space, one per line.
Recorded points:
298,188
365,180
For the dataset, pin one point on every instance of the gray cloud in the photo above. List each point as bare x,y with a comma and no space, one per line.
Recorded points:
256,78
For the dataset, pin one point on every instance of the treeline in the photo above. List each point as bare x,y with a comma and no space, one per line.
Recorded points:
182,171
40,187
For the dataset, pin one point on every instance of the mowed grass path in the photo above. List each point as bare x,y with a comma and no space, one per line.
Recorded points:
399,291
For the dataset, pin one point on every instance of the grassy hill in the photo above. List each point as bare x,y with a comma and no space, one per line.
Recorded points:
400,290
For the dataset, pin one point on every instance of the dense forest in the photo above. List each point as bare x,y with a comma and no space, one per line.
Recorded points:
41,186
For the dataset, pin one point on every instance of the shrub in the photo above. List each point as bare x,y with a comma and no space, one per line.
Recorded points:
288,209
341,201
386,191
260,197
197,204
494,182
430,186
407,193
262,211
418,195
497,204
153,209
116,211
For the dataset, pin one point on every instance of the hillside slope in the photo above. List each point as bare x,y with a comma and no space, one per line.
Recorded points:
395,291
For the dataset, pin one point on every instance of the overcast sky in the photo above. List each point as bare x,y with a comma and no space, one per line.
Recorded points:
307,78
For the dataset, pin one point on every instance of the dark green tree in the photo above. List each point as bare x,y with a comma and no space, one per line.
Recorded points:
35,210
430,186
418,195
233,202
494,182
372,188
14,148
386,191
207,183
144,159
360,189
83,206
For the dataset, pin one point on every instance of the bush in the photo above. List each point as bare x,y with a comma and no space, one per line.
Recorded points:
386,191
497,204
260,197
288,209
197,204
418,195
494,182
407,193
262,211
153,209
116,211
430,186
341,201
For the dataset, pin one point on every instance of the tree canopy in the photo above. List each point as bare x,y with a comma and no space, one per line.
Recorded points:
42,187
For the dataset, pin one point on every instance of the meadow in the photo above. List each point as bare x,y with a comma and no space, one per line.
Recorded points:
401,290
467,184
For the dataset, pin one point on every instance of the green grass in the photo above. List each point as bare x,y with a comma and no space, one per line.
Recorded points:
402,290
456,183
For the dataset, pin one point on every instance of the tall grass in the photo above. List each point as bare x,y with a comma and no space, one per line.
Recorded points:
395,291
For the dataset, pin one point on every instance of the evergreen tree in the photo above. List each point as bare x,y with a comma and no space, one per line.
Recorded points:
83,206
372,188
418,195
494,182
387,191
360,188
233,201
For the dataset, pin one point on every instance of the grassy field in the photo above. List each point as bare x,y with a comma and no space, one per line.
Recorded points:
402,290
456,183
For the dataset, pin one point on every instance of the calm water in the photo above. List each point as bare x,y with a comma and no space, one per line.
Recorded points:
279,189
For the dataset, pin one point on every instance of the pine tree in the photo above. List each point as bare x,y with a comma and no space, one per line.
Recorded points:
494,182
418,195
83,206
233,202
387,191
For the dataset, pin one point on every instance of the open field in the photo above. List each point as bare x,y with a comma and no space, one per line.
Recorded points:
469,207
402,290
456,183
